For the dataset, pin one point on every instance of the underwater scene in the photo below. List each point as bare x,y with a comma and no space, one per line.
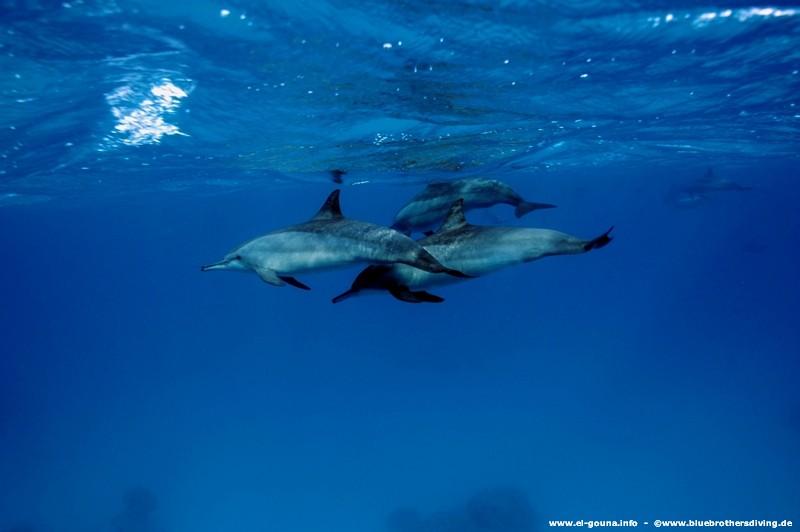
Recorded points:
399,266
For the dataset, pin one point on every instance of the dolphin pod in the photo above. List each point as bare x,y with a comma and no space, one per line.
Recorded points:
396,263
327,241
473,250
427,209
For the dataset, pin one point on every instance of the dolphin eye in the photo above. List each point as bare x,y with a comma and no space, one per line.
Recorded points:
237,257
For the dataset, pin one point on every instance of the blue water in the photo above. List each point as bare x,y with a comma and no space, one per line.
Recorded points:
656,378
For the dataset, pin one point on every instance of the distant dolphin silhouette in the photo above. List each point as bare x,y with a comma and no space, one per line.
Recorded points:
711,183
428,209
686,199
701,190
474,250
328,240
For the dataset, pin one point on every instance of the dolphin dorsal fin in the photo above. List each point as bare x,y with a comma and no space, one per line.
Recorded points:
330,209
455,218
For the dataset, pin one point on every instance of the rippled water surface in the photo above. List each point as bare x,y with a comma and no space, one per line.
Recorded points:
226,94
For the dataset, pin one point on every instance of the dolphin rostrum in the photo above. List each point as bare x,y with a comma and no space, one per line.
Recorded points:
327,241
428,209
474,250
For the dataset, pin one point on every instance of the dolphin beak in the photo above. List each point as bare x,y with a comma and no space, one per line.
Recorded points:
221,265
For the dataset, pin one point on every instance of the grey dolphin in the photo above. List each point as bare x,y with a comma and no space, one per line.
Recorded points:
711,183
328,240
429,208
474,250
686,199
701,190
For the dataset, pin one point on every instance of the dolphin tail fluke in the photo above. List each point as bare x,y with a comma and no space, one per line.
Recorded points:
600,241
402,293
525,207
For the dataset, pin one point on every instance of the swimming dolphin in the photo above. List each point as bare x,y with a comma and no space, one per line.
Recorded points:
326,241
428,209
683,198
474,250
711,183
702,190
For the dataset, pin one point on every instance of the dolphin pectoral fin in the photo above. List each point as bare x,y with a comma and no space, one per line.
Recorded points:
525,207
459,274
427,297
403,293
426,262
270,276
344,295
294,282
600,241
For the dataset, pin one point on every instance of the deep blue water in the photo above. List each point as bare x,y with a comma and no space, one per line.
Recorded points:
656,378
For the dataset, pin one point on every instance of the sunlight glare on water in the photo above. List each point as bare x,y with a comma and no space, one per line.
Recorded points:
140,116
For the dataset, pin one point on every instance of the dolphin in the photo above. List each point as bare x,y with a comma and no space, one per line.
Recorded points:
427,209
686,199
711,183
327,241
473,250
702,190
